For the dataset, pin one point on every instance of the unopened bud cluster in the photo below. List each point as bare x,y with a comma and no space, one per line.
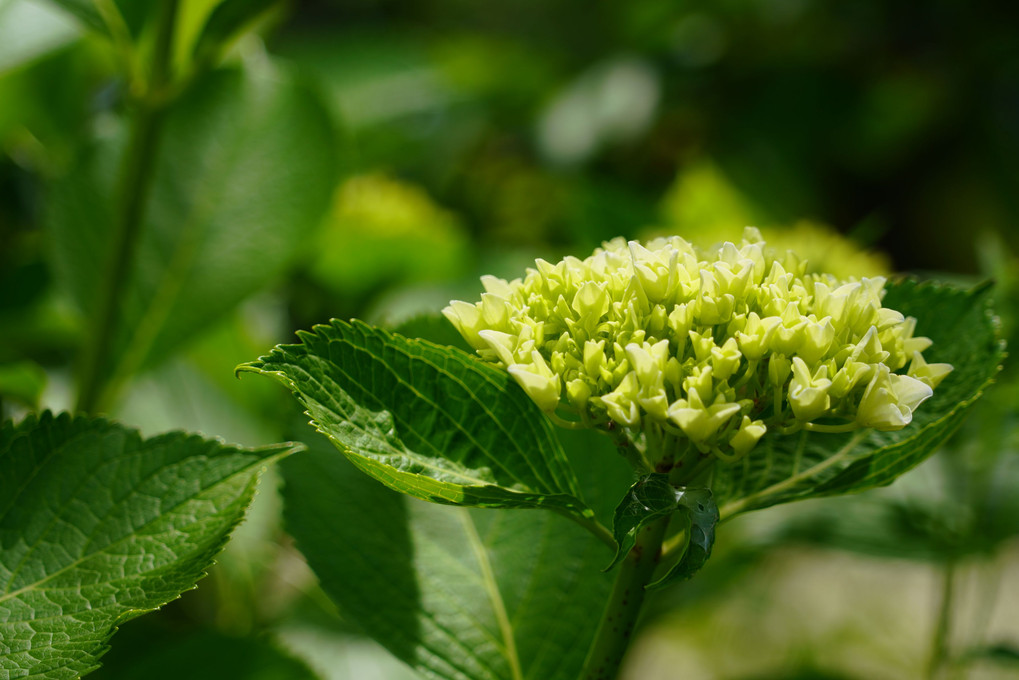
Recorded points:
717,346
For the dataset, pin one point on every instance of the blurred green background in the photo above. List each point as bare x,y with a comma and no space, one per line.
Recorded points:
372,158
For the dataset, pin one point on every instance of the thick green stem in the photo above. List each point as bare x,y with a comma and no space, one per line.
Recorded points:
133,187
942,629
624,605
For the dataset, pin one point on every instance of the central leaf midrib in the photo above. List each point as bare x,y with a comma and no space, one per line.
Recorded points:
494,595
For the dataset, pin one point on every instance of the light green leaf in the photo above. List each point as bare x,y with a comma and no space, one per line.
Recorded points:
98,526
808,465
456,593
23,381
245,169
429,421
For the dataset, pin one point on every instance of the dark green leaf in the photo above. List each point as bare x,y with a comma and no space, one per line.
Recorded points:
653,497
700,517
244,172
429,421
155,653
650,498
98,526
1004,654
457,593
808,465
229,17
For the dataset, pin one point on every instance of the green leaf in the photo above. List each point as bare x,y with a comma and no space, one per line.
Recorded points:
700,516
244,171
23,381
650,498
1004,654
165,653
228,19
429,421
98,526
809,465
653,497
456,593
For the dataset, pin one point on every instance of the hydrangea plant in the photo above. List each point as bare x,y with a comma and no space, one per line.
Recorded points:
730,378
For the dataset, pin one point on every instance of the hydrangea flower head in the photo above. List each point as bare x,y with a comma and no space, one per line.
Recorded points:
714,346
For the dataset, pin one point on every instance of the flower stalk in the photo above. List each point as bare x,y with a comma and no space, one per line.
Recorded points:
624,605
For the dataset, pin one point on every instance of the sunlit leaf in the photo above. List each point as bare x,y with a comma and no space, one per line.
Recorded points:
98,526
429,421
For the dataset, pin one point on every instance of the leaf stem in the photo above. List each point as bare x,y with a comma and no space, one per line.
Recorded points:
134,182
624,604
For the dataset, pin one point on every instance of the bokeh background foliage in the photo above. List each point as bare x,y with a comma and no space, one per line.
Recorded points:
371,158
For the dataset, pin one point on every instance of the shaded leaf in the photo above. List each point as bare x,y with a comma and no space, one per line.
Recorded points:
808,465
650,498
98,526
457,593
1003,654
157,654
227,19
700,517
429,421
653,497
244,171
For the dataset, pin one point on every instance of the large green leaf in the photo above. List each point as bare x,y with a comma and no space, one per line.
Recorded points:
457,593
98,526
244,171
429,421
808,465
